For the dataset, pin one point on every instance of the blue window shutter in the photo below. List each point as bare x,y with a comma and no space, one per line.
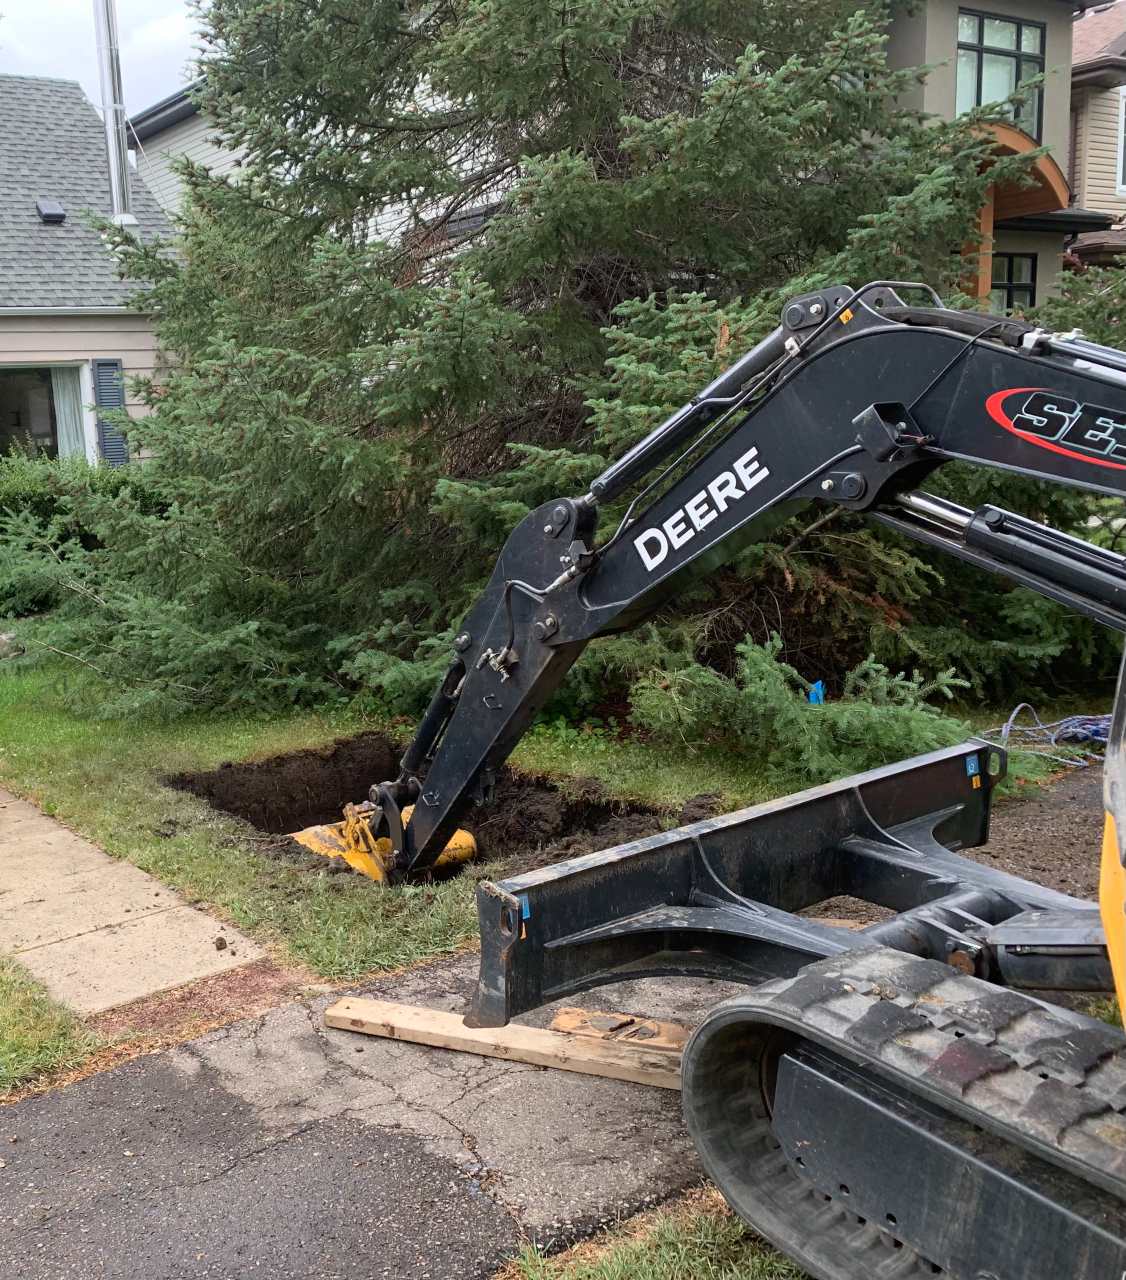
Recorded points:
109,393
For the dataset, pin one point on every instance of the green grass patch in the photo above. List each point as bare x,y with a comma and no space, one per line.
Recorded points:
636,770
697,1239
38,1036
102,777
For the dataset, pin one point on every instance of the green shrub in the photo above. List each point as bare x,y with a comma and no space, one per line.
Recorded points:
45,487
49,508
764,708
347,427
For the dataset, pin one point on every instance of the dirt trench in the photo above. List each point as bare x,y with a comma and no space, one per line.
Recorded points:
529,823
1051,836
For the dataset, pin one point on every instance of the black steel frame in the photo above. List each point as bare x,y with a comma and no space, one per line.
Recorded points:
720,898
1008,285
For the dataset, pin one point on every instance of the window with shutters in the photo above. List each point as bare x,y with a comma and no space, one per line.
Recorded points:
109,393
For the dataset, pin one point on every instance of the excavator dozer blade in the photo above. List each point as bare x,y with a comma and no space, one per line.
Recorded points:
353,840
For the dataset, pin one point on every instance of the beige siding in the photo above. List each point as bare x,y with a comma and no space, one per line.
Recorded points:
1080,137
1103,143
194,139
31,340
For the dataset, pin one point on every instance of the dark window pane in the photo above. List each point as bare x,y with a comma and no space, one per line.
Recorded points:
1029,114
1022,268
1022,296
1030,68
996,54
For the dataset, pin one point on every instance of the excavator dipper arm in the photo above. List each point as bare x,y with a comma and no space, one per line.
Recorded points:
889,1100
853,401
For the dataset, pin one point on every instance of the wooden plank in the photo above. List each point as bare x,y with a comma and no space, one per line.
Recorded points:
623,1028
615,1060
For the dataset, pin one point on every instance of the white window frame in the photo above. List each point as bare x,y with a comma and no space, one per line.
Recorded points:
86,386
1120,151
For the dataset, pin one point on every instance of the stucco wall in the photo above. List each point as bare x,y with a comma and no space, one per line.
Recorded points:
931,37
907,47
1049,260
193,138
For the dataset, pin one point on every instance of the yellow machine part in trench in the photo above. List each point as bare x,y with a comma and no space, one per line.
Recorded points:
354,841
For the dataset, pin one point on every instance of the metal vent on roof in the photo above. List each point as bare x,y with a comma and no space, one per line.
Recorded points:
50,212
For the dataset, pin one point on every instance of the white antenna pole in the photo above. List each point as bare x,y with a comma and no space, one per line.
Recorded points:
113,111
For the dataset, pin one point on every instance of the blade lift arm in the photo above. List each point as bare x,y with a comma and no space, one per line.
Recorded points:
851,402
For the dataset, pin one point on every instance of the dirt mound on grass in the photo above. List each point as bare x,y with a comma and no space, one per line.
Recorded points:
530,822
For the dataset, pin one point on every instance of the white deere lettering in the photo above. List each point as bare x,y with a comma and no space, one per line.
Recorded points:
699,512
724,490
655,538
677,529
654,544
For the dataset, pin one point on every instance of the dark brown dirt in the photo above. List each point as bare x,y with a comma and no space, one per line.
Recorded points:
1053,834
529,823
286,793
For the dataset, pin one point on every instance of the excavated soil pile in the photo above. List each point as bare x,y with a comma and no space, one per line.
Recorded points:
530,821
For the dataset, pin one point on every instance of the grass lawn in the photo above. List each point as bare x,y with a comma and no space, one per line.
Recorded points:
37,1035
104,779
697,1238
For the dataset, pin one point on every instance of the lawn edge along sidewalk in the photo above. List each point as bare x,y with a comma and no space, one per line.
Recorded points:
95,931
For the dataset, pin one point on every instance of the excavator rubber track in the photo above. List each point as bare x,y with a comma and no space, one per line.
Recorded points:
882,1115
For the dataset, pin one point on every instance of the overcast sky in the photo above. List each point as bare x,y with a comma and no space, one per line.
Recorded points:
56,38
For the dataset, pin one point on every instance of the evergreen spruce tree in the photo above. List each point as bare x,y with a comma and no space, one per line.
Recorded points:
474,248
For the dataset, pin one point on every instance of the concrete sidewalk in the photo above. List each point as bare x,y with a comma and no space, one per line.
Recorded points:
99,932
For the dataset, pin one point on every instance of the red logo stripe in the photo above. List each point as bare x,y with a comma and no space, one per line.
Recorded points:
995,408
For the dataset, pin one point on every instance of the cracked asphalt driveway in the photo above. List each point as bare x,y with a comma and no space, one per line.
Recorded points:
277,1146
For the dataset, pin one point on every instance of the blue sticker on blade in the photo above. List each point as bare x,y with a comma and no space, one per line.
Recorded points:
525,908
973,766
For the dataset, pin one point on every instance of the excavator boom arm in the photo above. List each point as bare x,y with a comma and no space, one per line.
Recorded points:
852,402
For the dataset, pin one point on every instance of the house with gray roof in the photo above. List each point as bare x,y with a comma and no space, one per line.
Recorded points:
71,332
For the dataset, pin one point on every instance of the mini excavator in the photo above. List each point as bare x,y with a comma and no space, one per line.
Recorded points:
903,1100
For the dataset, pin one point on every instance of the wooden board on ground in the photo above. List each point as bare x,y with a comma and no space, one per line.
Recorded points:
629,1060
670,1037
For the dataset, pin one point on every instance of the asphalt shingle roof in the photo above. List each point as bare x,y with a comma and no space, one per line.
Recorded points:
52,147
1099,33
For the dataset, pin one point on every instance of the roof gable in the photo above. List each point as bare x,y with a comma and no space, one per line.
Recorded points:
52,147
1100,33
